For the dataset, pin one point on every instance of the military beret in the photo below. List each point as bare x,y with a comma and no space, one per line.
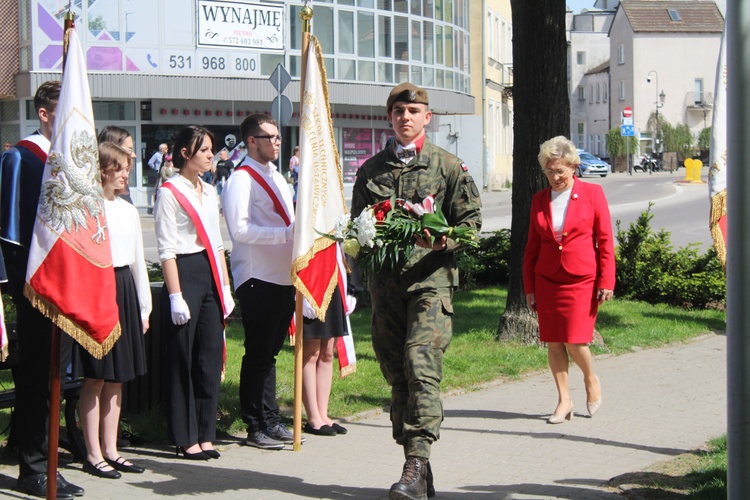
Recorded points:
406,92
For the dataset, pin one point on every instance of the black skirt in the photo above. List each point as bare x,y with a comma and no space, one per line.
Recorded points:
334,325
127,359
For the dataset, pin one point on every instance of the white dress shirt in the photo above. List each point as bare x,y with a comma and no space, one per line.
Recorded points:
261,243
175,232
126,240
560,201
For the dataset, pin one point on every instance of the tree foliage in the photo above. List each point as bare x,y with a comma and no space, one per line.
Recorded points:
619,146
679,139
704,139
541,111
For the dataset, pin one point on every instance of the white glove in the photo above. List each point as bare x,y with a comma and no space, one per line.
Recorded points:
228,300
351,303
307,310
180,310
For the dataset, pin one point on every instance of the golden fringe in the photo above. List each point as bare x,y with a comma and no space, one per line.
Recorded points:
301,263
718,210
347,370
322,69
79,334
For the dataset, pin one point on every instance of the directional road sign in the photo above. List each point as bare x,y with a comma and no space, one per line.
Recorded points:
627,131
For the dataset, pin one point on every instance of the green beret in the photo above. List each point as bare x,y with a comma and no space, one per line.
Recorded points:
406,92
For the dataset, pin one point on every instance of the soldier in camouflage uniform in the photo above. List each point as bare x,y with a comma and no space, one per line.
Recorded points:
412,305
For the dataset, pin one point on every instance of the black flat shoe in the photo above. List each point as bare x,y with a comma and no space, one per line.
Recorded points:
324,430
121,465
340,429
96,470
212,453
199,455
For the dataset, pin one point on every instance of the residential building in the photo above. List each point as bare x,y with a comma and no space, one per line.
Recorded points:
664,48
492,80
588,74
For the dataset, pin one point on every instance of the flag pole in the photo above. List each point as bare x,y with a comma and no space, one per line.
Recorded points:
53,438
306,15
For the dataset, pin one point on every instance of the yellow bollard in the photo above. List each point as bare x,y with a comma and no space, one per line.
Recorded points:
688,169
697,165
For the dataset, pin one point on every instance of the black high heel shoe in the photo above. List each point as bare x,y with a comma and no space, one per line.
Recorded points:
190,456
212,453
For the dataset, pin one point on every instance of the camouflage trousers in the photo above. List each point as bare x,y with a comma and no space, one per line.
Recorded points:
410,333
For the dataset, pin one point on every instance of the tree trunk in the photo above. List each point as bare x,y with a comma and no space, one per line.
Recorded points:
541,111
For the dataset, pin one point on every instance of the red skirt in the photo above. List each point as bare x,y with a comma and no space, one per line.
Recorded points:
567,307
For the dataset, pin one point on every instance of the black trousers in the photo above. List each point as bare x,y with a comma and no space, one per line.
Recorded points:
30,429
193,354
267,310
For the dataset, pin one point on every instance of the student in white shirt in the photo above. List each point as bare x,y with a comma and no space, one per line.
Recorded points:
101,394
197,296
260,217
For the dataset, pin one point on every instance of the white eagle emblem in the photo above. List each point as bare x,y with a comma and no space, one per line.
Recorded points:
74,191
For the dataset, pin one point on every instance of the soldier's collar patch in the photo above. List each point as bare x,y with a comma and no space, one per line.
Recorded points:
464,167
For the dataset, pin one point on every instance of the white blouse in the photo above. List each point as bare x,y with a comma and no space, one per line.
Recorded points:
126,240
175,232
560,201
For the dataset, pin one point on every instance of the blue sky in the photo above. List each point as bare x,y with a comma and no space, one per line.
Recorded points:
577,5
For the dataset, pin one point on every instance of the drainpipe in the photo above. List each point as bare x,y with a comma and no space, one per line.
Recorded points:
485,152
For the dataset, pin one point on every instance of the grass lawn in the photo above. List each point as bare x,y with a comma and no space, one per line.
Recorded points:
474,356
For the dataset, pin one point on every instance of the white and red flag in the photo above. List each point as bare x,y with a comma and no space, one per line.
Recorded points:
320,198
717,174
70,278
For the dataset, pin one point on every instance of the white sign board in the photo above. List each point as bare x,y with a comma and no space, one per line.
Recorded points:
240,25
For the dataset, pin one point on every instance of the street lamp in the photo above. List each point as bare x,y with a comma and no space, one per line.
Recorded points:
659,103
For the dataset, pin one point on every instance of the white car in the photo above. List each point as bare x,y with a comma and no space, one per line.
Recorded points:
591,165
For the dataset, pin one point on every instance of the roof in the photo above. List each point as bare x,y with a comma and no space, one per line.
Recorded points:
601,68
653,16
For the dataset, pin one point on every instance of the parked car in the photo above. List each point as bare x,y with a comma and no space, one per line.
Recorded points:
591,165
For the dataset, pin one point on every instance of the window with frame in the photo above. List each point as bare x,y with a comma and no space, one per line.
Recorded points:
581,93
622,90
591,94
580,57
598,92
621,54
605,92
698,97
581,136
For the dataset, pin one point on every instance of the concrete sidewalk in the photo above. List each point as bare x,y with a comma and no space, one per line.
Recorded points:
495,442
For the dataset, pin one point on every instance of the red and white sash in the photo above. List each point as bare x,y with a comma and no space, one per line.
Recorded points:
203,236
271,193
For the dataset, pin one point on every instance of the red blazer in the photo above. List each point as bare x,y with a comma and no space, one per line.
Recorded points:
587,245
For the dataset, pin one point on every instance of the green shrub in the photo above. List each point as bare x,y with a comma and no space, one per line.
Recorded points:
487,264
648,269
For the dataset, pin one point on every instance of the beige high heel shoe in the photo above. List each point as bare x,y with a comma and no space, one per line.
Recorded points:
593,407
558,419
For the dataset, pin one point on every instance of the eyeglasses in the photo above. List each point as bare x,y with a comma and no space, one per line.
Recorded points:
553,173
273,139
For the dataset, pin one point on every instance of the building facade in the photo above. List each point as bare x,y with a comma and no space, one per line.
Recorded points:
156,66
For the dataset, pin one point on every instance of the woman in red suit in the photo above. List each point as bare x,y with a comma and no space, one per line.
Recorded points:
568,269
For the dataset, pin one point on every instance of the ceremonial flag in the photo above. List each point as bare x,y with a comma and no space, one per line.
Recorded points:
717,174
317,266
320,192
70,278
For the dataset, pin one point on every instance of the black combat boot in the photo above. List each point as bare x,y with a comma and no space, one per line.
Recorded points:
413,482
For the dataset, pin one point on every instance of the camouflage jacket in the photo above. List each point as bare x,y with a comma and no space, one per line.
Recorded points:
433,171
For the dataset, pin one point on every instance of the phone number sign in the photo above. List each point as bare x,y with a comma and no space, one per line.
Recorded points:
241,25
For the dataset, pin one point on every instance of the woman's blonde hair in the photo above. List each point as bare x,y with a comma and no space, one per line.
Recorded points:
559,147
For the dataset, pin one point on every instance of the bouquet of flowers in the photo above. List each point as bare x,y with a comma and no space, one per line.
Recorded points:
382,236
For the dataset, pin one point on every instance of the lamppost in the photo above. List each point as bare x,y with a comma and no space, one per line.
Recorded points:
659,103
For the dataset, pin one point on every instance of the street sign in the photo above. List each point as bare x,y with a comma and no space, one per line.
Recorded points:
280,78
281,110
627,121
627,112
627,131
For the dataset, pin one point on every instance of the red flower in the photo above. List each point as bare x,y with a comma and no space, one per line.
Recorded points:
383,206
380,216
